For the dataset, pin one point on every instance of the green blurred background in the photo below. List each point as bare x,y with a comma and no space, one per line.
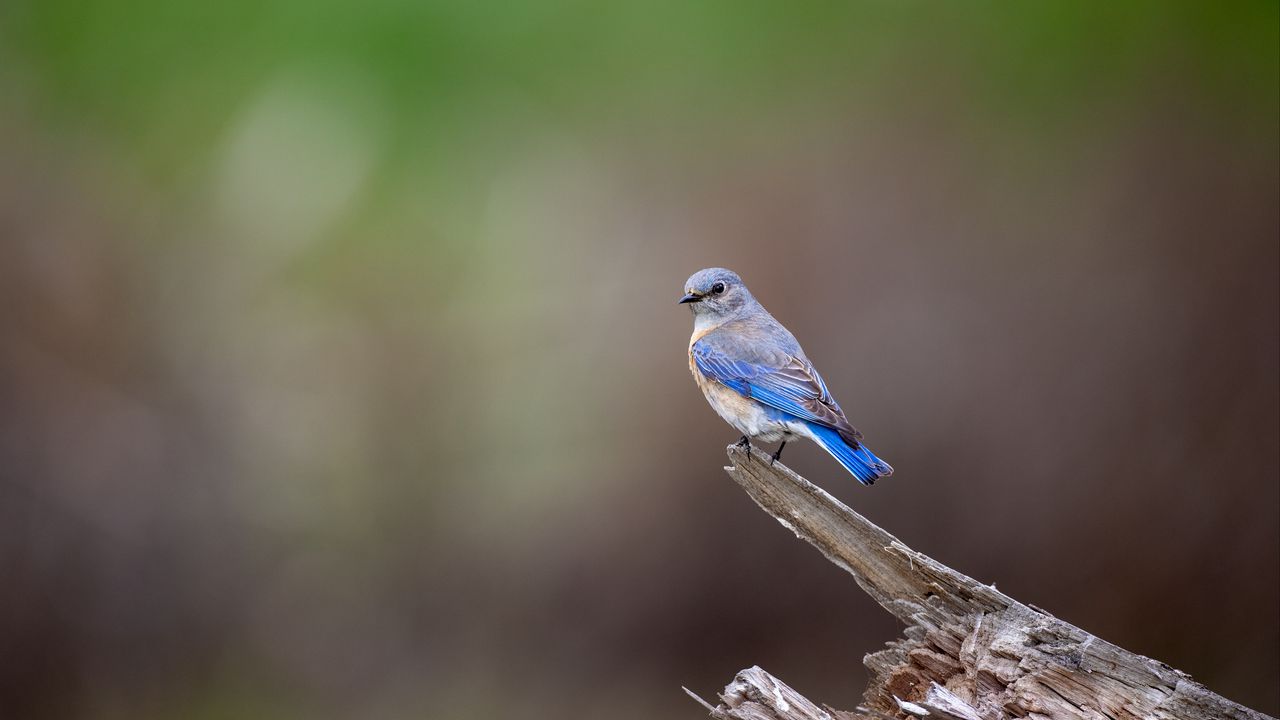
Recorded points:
341,373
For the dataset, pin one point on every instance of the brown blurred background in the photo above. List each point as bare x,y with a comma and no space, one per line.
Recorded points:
341,373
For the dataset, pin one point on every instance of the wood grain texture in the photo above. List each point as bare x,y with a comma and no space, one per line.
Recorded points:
969,652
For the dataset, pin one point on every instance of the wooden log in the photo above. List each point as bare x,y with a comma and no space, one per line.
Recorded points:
969,652
756,695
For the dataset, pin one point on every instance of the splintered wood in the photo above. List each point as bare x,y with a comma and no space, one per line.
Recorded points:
969,652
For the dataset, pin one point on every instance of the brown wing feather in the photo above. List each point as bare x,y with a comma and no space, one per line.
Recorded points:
821,403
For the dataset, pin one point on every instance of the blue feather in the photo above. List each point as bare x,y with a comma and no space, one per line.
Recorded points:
768,385
860,460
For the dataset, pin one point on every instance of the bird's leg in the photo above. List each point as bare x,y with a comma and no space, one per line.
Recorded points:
774,458
745,443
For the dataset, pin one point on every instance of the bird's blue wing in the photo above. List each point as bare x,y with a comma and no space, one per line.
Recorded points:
787,383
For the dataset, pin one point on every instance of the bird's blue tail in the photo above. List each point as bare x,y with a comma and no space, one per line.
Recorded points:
861,461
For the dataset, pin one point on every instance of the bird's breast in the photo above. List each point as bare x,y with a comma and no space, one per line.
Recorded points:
701,327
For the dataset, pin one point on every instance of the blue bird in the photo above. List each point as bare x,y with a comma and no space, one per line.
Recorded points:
756,377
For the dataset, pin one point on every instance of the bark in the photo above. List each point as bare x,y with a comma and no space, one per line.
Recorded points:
969,652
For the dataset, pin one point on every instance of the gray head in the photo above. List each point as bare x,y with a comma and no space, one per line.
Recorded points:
716,292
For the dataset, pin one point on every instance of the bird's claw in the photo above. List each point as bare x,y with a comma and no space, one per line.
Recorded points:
774,457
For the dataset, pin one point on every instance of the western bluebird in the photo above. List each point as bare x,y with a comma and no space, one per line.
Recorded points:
757,378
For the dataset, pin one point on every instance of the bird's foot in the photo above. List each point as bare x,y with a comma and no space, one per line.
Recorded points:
774,457
745,443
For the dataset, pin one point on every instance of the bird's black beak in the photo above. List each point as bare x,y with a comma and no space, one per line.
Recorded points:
688,298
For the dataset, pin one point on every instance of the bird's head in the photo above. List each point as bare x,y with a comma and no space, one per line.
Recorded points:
715,292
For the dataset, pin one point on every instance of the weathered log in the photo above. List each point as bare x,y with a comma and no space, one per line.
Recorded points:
969,652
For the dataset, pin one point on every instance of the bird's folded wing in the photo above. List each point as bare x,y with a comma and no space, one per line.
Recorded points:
789,384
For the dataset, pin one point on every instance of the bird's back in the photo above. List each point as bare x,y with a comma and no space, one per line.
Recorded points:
754,337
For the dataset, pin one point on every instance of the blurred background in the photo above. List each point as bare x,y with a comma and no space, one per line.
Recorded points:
341,373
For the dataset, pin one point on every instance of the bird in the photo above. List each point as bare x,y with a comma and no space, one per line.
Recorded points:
757,378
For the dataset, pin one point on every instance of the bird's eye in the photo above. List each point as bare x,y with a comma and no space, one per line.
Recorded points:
717,288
